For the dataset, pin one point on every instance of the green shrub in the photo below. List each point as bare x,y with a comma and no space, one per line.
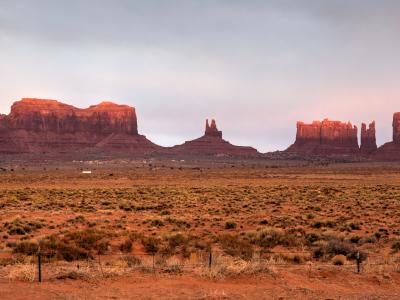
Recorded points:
230,225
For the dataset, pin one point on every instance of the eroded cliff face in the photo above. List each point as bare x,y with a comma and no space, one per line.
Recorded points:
368,138
41,126
326,137
212,143
40,115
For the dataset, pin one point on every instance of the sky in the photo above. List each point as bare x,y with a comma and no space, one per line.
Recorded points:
257,67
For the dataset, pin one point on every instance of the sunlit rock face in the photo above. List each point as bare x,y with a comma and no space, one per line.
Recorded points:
212,143
52,116
41,125
325,138
368,138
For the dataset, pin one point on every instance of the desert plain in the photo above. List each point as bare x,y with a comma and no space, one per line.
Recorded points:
199,229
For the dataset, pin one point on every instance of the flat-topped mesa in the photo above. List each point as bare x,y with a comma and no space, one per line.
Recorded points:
42,115
42,125
368,138
326,137
212,130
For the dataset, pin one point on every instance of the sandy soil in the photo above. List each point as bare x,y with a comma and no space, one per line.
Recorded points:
285,285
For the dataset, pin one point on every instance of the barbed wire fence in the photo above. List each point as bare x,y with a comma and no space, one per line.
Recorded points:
105,265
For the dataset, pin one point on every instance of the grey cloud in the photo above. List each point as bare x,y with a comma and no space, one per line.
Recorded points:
258,66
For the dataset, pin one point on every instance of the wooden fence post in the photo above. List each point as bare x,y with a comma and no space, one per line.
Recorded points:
39,267
210,260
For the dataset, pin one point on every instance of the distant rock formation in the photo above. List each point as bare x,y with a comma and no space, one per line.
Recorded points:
391,151
211,143
41,125
212,130
325,138
368,138
396,127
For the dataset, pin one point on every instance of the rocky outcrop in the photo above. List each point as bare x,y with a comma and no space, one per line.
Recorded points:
391,151
368,138
325,138
212,143
41,125
212,130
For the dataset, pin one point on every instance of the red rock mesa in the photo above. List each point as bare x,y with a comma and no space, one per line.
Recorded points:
41,125
325,138
368,138
211,143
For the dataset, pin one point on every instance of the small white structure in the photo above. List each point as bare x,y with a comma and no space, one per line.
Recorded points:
86,172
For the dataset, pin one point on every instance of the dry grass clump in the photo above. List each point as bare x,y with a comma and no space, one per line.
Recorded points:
228,266
23,272
271,237
339,260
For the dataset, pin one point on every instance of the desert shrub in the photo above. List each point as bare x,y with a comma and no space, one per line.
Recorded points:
338,247
269,237
235,246
355,239
354,226
22,227
126,246
230,225
320,224
177,222
71,252
89,239
157,223
176,240
318,252
311,238
132,261
75,245
339,260
151,244
27,248
395,246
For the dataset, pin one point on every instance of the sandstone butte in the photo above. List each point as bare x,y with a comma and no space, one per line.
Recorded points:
391,150
47,126
333,138
212,143
41,126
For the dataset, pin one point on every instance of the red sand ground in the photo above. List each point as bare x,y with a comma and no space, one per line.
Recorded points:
319,284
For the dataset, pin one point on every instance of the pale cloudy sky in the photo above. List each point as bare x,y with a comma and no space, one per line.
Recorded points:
256,66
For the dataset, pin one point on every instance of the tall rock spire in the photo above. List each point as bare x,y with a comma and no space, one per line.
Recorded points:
212,130
368,138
